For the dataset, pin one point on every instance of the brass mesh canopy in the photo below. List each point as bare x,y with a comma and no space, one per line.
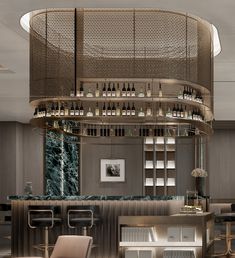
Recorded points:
69,46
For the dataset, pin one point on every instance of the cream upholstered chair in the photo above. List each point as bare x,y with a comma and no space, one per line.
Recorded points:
71,246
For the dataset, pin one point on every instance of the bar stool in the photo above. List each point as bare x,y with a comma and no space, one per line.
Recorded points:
44,217
84,216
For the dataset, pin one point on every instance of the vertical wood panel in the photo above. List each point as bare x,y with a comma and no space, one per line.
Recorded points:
222,164
184,165
21,159
105,235
7,160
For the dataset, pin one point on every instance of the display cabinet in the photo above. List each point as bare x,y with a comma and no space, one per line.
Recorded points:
159,166
126,107
165,236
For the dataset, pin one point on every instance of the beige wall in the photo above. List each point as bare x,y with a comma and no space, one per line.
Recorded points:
21,159
92,150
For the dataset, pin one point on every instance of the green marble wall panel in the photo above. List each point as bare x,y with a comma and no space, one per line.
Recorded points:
61,164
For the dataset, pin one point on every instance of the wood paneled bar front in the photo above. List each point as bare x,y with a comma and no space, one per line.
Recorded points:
105,234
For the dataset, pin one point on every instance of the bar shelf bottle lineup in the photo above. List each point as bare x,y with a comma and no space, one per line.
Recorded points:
128,89
126,106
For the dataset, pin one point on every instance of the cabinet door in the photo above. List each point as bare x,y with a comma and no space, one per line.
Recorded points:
173,234
188,234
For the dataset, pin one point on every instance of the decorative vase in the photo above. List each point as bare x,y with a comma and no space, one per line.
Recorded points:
200,185
28,189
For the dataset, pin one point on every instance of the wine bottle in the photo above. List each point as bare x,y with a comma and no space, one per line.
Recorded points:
52,109
57,110
160,111
113,110
193,115
78,92
184,93
118,92
190,114
128,90
148,111
35,114
133,110
128,110
62,109
185,113
174,112
118,111
104,91
97,110
149,91
113,90
180,94
124,90
181,112
81,90
72,93
97,91
104,110
123,110
44,111
141,112
66,109
81,111
109,93
89,112
133,90
178,111
160,91
109,111
190,94
77,111
194,95
72,110
89,94
169,113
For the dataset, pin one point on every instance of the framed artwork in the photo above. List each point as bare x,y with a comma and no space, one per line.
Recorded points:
112,170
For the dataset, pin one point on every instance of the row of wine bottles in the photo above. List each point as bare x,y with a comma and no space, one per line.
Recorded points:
120,131
114,90
129,90
115,110
190,94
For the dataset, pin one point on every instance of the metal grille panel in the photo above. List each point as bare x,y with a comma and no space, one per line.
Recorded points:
116,43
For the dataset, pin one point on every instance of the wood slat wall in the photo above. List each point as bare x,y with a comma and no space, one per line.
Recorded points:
105,235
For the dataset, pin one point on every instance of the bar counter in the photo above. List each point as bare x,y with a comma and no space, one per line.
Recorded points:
105,235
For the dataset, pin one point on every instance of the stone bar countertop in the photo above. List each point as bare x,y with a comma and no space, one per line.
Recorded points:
95,197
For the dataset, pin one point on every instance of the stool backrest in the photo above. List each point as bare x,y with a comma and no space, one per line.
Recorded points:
72,246
94,208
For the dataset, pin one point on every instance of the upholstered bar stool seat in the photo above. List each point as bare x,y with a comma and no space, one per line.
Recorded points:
84,216
44,217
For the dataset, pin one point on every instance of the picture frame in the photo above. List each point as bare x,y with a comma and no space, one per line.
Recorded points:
112,170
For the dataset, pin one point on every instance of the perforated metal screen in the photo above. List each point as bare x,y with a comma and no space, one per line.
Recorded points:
116,43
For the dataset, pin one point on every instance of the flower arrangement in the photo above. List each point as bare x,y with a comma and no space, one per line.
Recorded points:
199,172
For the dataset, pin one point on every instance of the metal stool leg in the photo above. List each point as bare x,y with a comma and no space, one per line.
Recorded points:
84,231
46,252
228,239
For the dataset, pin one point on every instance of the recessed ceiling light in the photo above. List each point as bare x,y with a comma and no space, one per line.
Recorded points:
24,22
216,41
